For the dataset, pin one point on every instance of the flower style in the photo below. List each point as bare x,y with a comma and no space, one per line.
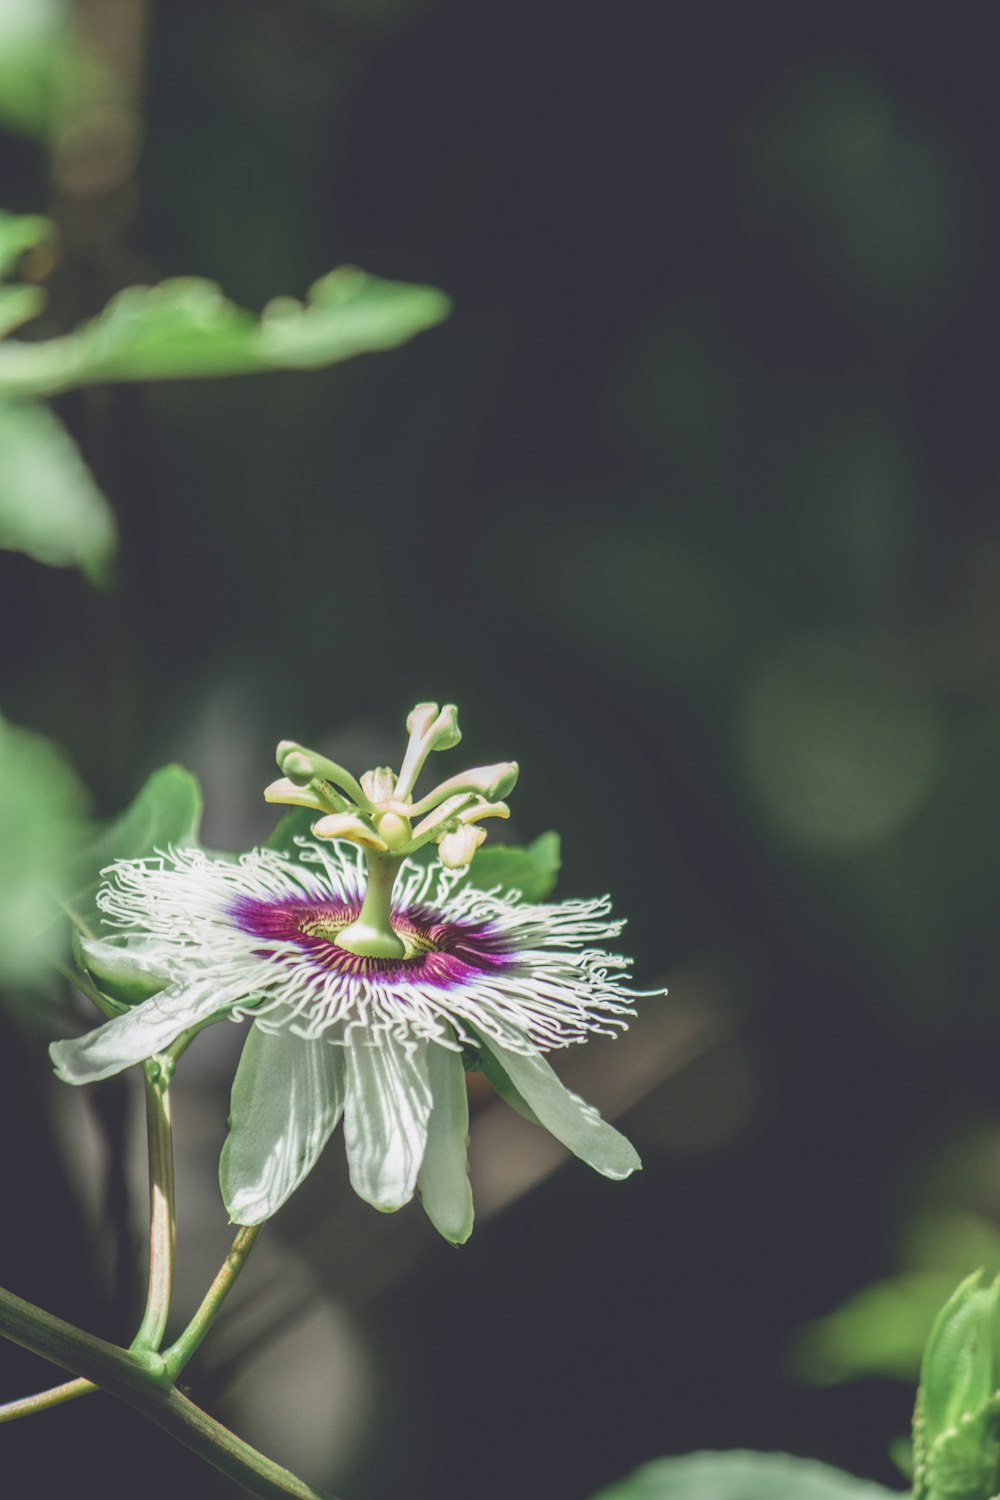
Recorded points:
372,980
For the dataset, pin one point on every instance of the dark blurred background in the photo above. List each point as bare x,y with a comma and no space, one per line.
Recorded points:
692,508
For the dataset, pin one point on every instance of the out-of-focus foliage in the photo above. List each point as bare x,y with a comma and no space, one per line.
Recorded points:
882,1329
741,1476
41,805
187,328
50,506
36,55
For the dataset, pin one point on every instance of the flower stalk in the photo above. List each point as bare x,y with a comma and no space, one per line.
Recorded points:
144,1383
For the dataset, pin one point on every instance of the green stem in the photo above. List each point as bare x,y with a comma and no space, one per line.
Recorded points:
142,1382
27,1406
162,1233
161,1249
181,1350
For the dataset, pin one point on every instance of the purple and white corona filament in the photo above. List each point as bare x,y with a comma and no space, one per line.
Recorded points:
447,975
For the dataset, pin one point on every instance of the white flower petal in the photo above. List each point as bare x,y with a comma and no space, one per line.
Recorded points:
443,1181
288,1095
564,1114
137,1034
385,1118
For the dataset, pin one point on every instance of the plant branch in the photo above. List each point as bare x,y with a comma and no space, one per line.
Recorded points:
141,1381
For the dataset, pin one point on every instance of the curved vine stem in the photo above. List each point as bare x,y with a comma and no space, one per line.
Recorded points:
160,1285
141,1380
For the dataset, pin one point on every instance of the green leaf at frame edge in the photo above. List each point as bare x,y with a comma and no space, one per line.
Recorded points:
186,328
18,233
165,812
50,505
42,807
741,1475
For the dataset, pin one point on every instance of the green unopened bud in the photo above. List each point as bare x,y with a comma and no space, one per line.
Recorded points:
956,1429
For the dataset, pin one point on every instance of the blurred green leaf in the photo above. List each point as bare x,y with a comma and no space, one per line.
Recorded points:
295,823
17,305
880,1330
741,1476
35,48
42,803
532,870
20,232
883,1328
50,506
187,328
165,812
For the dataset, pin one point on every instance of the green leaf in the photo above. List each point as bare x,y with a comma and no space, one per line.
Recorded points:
38,55
741,1476
50,506
295,823
879,1330
17,305
187,328
21,232
532,869
42,804
166,811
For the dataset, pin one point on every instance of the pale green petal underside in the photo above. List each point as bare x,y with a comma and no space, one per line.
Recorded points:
137,1034
385,1118
564,1114
443,1181
288,1095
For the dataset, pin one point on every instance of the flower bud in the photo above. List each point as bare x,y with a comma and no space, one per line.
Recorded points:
955,1427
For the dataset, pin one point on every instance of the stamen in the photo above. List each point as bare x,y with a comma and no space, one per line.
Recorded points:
428,730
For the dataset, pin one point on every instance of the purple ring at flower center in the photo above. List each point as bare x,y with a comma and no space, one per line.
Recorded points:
438,951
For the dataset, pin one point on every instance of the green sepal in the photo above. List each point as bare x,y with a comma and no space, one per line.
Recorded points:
121,967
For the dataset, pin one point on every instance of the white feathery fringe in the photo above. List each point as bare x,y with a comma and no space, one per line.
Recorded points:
556,990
